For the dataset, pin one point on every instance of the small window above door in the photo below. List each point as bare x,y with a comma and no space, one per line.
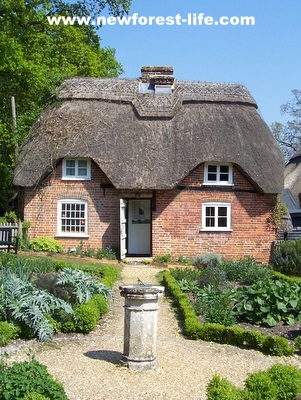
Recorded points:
76,169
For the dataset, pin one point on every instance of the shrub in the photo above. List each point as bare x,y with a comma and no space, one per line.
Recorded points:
287,380
245,270
34,396
234,335
286,257
20,379
165,258
47,244
109,275
259,386
7,332
253,339
205,260
101,303
297,342
277,383
87,316
276,345
221,389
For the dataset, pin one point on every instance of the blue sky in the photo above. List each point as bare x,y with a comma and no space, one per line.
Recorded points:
266,57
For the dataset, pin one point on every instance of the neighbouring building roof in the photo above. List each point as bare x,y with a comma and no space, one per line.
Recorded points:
292,175
144,140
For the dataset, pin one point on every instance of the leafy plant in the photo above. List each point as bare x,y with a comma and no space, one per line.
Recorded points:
221,389
269,302
22,301
164,258
205,260
82,285
286,257
277,383
8,332
214,277
215,305
246,271
20,379
183,260
47,244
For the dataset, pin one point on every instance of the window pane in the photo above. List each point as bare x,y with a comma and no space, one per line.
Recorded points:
212,172
82,163
70,163
210,216
222,217
73,217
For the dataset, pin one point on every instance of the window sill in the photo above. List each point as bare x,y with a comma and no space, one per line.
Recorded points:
75,179
216,230
218,184
74,235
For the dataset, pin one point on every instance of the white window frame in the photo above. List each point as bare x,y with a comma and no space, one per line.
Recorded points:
76,176
76,219
216,206
218,180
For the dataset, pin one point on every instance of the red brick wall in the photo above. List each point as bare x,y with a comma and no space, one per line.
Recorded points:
176,220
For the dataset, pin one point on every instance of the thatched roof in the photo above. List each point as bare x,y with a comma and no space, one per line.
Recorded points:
292,175
152,141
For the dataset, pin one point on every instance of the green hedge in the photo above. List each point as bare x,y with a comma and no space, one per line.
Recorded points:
233,335
277,383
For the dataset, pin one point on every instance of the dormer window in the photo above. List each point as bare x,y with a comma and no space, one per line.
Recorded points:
76,168
218,174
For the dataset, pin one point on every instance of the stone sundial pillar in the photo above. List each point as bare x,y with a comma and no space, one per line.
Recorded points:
140,325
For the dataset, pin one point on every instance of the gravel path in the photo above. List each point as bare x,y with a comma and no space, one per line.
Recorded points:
89,366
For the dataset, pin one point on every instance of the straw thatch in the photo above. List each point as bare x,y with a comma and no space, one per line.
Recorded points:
152,141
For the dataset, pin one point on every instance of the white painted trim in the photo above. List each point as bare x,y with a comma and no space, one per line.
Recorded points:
215,228
218,182
76,176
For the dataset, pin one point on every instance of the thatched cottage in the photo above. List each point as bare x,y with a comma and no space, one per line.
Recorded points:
152,166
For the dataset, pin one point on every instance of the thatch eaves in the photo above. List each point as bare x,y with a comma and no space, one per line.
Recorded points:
152,141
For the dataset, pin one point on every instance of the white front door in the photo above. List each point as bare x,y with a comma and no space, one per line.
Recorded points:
139,227
123,213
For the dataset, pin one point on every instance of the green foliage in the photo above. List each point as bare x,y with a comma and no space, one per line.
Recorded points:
109,273
8,331
215,305
47,244
185,273
269,302
20,379
286,257
297,342
287,380
9,216
86,316
34,396
21,301
221,389
82,285
36,57
277,345
279,210
279,382
206,260
164,258
245,271
107,252
219,333
259,386
183,260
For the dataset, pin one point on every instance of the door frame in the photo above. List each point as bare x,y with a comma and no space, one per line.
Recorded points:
127,238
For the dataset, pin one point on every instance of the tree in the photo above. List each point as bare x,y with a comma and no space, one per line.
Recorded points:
288,135
35,57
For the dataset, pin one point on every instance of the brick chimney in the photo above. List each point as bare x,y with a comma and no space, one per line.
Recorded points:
158,79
